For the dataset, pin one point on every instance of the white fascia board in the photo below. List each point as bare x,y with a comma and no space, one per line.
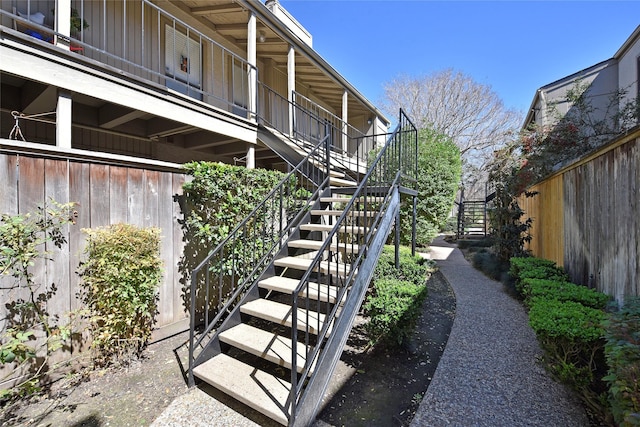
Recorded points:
59,71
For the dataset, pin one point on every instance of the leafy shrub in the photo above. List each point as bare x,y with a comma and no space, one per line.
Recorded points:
394,303
24,239
394,309
518,264
534,268
412,268
572,337
563,291
439,171
622,350
216,200
120,280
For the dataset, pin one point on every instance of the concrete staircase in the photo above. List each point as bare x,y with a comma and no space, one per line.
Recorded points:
254,361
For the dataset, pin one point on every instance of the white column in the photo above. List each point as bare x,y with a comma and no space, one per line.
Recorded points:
63,22
63,120
291,83
345,119
253,82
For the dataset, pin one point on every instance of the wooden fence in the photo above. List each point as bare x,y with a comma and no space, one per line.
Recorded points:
108,189
586,218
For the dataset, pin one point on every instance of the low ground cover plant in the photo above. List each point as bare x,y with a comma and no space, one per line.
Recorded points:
396,296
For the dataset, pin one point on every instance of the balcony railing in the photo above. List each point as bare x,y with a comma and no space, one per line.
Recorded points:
141,39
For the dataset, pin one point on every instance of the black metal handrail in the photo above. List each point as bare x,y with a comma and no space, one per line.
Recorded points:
361,215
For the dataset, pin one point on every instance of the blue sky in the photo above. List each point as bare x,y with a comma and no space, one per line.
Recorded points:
513,46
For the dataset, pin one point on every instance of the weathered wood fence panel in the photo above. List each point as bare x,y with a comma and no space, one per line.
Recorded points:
599,227
106,194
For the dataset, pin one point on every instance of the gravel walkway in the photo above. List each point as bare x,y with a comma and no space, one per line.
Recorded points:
488,374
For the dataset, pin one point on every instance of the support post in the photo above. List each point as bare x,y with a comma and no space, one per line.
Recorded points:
253,82
63,120
63,24
397,239
291,85
345,119
414,232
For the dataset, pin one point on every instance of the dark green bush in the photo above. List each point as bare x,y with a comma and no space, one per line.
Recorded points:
534,268
519,264
119,287
396,296
572,337
563,291
622,350
394,310
412,268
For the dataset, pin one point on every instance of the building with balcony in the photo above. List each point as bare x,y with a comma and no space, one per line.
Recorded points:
168,80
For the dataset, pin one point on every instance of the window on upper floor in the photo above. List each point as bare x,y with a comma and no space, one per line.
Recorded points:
183,58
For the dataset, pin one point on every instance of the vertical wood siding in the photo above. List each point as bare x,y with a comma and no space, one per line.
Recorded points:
586,218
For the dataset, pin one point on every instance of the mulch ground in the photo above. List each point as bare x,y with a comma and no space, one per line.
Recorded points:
379,387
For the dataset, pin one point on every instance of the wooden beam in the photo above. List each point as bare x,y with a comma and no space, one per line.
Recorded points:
211,10
111,116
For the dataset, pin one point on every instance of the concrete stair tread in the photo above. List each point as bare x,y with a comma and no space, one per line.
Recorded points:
281,314
337,199
267,345
304,264
316,245
327,227
341,182
333,212
255,388
287,285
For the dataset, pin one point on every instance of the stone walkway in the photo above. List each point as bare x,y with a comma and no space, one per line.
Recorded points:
488,374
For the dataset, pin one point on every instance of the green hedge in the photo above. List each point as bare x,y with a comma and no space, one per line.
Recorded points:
563,291
568,322
119,285
622,352
534,268
396,296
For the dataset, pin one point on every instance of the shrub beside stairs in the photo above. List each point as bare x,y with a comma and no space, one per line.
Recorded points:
278,344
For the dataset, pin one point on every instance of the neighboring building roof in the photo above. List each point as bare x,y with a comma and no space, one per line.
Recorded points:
570,78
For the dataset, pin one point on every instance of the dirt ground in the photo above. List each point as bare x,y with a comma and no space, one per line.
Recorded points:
380,387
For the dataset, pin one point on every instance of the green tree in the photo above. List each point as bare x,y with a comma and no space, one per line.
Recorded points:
439,171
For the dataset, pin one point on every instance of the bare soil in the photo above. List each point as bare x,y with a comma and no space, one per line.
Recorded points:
371,387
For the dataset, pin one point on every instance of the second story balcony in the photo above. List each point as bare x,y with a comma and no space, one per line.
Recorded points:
170,80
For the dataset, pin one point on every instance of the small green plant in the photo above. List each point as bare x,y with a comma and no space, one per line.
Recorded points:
393,306
622,350
563,291
24,239
119,287
534,268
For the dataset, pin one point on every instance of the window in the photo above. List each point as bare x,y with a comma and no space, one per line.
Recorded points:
183,57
